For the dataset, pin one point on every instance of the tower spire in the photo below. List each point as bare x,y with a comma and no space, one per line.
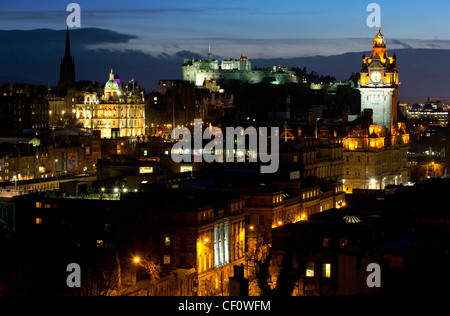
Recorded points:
67,70
67,53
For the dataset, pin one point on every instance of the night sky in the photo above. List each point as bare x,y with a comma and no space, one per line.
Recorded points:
238,27
153,37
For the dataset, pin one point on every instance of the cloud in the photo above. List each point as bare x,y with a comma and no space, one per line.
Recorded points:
34,57
400,43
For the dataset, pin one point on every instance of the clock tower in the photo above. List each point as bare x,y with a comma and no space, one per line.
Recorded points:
379,84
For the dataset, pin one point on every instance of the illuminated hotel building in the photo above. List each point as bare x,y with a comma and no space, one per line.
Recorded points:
376,146
370,163
119,112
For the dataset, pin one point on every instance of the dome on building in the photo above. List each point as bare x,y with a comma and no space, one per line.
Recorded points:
379,41
112,89
112,83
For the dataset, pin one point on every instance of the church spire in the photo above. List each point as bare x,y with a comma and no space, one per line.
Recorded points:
67,53
67,71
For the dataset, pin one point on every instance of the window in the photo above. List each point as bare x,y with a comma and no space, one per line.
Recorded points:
185,169
326,242
166,259
99,243
343,243
310,269
145,170
261,220
38,204
166,240
261,200
326,270
38,220
221,246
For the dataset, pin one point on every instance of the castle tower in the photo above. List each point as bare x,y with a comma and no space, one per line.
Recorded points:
379,84
67,70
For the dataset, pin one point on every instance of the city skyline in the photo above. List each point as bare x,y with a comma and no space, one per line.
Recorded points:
134,150
148,40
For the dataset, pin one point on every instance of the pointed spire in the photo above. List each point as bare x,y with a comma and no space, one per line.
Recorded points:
67,54
67,70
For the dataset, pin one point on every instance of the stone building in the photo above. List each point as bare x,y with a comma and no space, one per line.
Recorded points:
199,72
376,145
372,158
119,112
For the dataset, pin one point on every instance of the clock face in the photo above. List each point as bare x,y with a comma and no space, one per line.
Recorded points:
375,76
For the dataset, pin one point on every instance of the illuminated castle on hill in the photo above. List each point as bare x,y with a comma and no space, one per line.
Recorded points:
200,72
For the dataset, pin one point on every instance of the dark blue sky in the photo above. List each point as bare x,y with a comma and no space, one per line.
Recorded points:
258,29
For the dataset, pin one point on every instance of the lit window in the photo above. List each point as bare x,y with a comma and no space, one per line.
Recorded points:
327,242
99,243
221,246
38,204
166,259
144,170
326,270
343,243
310,270
186,169
167,241
38,221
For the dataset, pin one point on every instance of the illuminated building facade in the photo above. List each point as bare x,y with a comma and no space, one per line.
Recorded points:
376,146
373,160
117,113
379,84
